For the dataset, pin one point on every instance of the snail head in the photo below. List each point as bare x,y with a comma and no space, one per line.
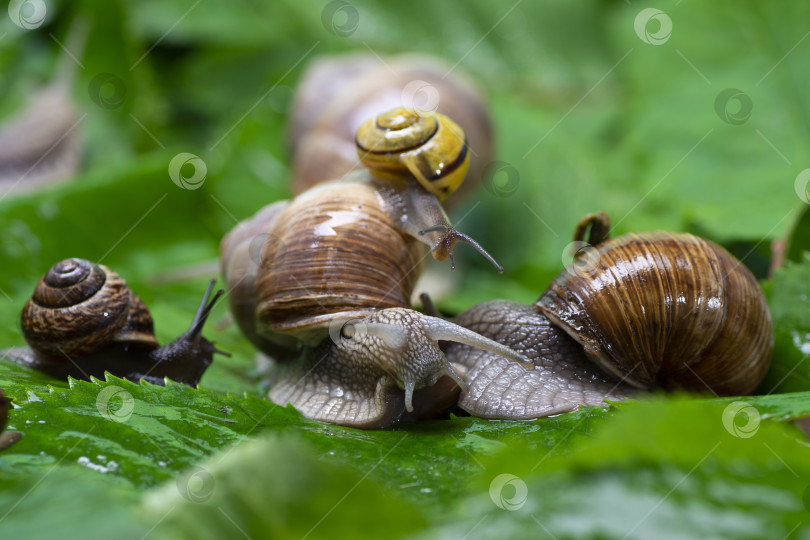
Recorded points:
404,344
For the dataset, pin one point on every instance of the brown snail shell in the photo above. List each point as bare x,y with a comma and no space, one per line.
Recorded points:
83,321
666,309
331,232
338,94
645,310
322,283
79,306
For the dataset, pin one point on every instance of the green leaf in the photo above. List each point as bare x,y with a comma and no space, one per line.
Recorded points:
674,469
789,294
144,434
275,487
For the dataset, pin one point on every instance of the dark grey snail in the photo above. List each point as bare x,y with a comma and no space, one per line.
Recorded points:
83,320
638,311
323,282
7,438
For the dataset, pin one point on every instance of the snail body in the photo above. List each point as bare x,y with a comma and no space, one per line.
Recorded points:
640,311
323,283
83,320
338,94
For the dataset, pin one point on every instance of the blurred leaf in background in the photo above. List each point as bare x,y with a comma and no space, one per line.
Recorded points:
680,116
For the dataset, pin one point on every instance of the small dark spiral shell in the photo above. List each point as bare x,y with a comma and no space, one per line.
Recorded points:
79,307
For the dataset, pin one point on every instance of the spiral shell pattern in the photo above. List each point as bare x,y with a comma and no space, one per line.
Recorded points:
666,309
338,93
431,147
79,307
338,251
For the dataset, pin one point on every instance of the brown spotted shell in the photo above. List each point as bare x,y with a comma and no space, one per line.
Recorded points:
666,309
335,250
338,94
79,307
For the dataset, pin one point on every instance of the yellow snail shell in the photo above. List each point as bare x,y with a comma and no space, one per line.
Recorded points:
338,94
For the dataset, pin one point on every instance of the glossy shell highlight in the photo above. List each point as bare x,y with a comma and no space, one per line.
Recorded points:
666,309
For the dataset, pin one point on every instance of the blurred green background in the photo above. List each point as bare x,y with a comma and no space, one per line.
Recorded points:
597,105
589,115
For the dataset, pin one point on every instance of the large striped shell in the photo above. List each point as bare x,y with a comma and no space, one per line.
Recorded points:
666,309
331,250
338,93
79,307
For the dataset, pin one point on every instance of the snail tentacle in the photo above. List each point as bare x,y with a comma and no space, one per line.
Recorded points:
83,321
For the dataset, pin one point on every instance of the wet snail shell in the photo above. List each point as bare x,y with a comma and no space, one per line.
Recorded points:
323,284
337,94
326,292
638,311
432,148
83,320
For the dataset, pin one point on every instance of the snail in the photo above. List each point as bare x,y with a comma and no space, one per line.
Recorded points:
635,312
338,93
7,438
83,320
41,143
323,283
